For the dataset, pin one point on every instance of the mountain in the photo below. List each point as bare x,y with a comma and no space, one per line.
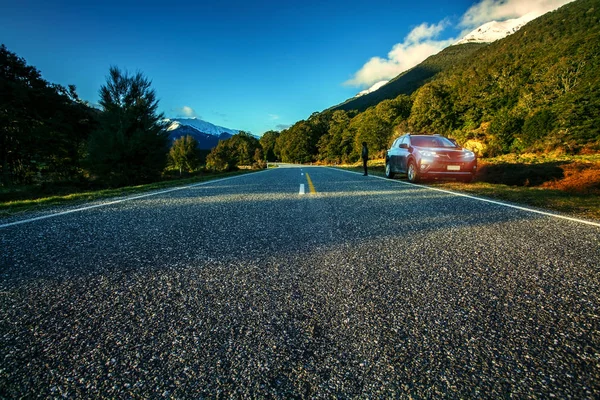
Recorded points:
494,30
208,135
204,126
538,86
409,81
373,88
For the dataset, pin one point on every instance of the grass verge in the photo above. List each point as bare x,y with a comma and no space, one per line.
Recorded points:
32,203
568,185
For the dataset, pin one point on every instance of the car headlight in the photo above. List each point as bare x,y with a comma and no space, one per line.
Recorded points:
430,154
469,155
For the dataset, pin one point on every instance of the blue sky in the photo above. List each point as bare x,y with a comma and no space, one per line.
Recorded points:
254,66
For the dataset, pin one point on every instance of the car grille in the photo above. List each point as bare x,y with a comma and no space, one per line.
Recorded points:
441,165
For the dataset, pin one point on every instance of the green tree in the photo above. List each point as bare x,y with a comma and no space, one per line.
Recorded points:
319,126
373,130
130,146
267,141
184,154
259,159
432,110
403,105
300,142
240,149
335,145
504,128
42,126
537,126
220,158
294,144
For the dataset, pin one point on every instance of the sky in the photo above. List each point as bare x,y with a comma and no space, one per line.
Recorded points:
249,65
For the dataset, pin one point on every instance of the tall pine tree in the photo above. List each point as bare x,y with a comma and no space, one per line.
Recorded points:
131,144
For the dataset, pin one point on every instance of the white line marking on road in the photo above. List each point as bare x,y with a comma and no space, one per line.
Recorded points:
548,214
301,188
118,201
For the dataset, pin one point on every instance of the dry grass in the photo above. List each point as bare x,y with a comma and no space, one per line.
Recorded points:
577,177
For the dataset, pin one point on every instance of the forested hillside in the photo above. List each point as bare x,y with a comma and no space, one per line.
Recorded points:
409,81
536,90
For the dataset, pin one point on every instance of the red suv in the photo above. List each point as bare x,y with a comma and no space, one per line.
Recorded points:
429,156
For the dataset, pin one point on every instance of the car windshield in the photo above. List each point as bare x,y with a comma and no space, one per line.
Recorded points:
431,141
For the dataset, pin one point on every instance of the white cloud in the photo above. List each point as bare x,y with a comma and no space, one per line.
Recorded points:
273,117
425,32
186,112
421,42
499,10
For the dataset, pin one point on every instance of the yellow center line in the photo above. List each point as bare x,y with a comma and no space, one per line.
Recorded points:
310,184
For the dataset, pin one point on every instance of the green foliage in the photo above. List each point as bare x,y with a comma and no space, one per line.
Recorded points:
130,145
337,136
43,127
299,142
432,110
244,147
337,143
546,73
504,128
371,128
184,154
537,126
238,150
220,158
267,142
259,159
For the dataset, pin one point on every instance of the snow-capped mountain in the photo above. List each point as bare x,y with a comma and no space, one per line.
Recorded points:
202,126
494,30
372,88
208,135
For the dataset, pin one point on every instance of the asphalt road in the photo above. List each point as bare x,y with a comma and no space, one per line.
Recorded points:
245,288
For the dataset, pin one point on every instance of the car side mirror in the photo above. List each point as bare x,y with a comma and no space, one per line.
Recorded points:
404,146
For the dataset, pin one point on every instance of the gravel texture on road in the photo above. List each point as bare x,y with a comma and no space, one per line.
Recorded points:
243,288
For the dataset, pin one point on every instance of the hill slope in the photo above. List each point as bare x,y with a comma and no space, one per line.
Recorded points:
409,81
541,84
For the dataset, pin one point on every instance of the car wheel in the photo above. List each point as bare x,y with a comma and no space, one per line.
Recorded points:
468,179
388,170
413,172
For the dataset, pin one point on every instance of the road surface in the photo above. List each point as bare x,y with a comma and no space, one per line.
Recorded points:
277,284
